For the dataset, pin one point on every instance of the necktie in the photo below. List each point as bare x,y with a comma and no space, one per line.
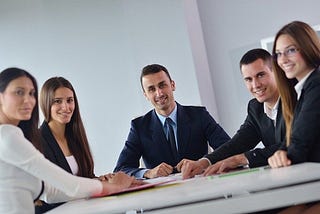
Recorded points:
171,138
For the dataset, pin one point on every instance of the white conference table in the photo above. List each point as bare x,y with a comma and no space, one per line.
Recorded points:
244,191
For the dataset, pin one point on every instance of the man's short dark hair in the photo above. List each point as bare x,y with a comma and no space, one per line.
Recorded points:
254,54
152,69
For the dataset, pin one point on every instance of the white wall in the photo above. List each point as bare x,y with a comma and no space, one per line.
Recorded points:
101,47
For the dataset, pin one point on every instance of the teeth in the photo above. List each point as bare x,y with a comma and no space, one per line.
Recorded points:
286,67
161,99
259,92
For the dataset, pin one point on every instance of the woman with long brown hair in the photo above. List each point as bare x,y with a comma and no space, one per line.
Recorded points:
297,58
64,139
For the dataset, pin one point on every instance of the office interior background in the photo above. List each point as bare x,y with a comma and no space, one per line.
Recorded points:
102,45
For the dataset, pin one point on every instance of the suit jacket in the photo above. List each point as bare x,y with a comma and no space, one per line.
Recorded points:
257,127
51,148
146,139
305,137
51,151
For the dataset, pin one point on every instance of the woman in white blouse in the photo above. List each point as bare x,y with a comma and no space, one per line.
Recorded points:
25,175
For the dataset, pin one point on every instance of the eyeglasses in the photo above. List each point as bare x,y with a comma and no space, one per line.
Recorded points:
288,53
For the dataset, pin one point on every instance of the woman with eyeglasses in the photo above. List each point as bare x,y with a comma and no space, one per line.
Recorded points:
26,175
296,51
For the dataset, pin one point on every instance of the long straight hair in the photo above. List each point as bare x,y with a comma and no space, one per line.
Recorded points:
28,127
75,132
307,42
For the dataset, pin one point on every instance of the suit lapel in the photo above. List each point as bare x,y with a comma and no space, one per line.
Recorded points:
183,131
280,126
301,99
156,130
53,144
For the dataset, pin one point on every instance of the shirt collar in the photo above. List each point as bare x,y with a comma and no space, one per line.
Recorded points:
173,116
298,87
271,112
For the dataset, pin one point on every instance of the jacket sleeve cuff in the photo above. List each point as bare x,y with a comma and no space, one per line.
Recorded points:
206,160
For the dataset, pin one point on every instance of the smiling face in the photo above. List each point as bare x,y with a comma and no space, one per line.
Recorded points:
260,81
63,106
17,101
158,89
290,59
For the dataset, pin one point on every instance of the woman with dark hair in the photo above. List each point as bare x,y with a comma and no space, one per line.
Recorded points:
62,130
64,137
297,58
26,175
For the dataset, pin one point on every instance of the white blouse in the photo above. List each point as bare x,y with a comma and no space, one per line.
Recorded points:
23,167
73,164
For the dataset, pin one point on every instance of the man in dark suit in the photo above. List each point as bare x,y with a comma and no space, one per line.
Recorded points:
264,123
193,128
